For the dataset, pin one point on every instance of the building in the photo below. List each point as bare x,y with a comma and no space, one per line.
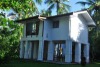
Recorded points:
62,38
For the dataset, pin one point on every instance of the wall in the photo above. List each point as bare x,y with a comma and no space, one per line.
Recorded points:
79,29
47,29
60,33
33,37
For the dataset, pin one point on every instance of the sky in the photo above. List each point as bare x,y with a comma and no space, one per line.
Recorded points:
72,3
74,7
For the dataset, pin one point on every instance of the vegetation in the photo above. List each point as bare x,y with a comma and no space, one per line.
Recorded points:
94,34
60,5
27,63
10,32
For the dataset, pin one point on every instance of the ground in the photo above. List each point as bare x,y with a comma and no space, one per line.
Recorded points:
28,63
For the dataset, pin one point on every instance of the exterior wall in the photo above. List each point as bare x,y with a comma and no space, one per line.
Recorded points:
60,33
33,37
78,29
47,30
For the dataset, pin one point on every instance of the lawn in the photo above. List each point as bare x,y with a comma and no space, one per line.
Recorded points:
21,63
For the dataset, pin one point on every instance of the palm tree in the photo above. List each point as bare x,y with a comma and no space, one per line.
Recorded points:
60,5
94,10
45,12
94,5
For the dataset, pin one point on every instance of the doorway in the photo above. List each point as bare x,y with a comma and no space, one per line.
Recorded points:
45,52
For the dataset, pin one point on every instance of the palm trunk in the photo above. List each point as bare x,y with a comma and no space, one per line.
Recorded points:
57,8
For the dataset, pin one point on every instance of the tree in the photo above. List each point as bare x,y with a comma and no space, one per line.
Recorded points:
23,8
60,5
94,10
45,12
11,32
94,5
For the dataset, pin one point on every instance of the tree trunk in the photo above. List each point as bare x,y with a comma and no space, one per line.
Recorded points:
57,7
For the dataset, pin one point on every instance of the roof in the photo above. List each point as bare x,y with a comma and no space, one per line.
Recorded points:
34,17
84,13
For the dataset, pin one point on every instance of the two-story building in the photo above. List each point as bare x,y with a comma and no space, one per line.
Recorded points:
61,38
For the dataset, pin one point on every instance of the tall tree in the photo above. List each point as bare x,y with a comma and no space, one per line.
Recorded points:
94,5
60,5
94,10
45,12
10,32
23,8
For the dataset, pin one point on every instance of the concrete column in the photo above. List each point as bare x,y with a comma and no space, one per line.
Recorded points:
78,52
21,49
68,51
86,52
30,50
50,50
24,31
40,50
35,50
26,50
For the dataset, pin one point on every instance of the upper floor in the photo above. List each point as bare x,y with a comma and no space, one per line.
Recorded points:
60,27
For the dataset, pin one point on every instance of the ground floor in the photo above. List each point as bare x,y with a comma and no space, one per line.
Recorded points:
57,50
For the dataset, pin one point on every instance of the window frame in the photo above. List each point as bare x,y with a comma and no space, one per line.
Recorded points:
56,24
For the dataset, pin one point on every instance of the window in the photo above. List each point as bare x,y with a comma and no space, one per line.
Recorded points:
56,24
32,28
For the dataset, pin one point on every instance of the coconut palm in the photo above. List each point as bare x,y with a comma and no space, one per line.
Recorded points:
94,9
60,5
94,5
45,12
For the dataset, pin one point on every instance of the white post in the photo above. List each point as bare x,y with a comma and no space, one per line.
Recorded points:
86,52
40,50
78,52
68,51
35,50
21,49
30,50
50,50
24,31
26,50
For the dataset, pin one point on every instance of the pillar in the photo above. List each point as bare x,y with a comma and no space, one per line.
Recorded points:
86,52
68,51
26,50
50,50
78,52
40,50
21,49
35,50
24,31
30,50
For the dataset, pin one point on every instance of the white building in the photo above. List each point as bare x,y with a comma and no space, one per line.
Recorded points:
61,38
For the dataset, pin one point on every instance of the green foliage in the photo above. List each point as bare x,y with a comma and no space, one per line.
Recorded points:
11,32
60,5
94,34
24,8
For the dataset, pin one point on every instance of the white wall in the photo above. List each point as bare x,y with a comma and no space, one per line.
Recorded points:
47,29
60,33
79,29
33,37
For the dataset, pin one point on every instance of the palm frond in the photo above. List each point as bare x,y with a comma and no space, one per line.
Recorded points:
51,7
38,1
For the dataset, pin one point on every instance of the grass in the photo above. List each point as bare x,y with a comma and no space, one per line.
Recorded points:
27,63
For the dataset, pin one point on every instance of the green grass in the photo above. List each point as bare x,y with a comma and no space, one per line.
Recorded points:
22,63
